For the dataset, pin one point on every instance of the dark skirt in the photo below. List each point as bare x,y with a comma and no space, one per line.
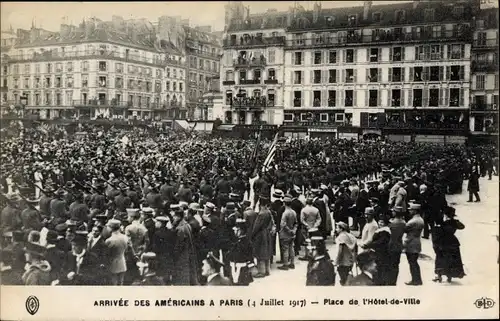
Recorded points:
449,262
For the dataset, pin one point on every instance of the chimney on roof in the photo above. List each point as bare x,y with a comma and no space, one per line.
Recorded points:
89,28
367,6
316,11
34,34
289,16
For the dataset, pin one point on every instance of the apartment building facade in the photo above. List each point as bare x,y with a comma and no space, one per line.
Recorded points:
252,69
485,86
116,69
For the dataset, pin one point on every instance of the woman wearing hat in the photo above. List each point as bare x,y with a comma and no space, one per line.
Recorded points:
38,269
346,251
380,245
447,247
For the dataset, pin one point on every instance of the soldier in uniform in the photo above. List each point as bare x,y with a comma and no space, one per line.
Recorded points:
240,255
32,220
58,207
320,269
147,270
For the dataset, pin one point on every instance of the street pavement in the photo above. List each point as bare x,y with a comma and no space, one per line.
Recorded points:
479,245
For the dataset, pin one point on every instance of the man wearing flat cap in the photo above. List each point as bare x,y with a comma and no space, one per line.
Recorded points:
210,270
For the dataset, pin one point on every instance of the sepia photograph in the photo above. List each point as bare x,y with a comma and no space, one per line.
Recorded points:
285,147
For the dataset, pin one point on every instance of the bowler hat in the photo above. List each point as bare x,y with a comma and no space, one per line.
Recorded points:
210,205
162,219
51,237
62,227
80,237
278,193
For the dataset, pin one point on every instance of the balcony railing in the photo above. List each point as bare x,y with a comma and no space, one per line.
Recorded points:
484,66
251,102
486,43
483,107
253,42
245,63
421,125
313,123
250,81
93,54
271,81
464,36
114,103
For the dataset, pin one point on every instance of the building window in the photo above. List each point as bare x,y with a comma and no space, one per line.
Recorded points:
297,98
317,57
27,68
373,75
400,16
298,58
49,68
288,117
69,82
433,97
458,11
332,98
456,73
243,75
480,82
429,14
373,98
257,75
168,70
454,97
271,74
102,81
417,98
297,77
349,98
332,76
434,73
85,66
102,66
376,16
352,20
397,54
270,97
396,74
349,56
374,54
37,69
496,81
167,85
417,74
349,76
26,83
174,86
456,51
317,76
396,98
59,67
85,81
436,32
119,83
48,81
332,57
229,75
69,66
316,98
271,56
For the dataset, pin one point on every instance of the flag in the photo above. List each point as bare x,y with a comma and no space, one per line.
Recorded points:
255,153
442,117
270,154
461,117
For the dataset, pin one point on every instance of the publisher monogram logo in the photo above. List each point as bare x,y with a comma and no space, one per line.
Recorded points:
32,304
484,303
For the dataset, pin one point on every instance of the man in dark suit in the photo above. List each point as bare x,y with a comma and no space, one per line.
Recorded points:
210,270
473,185
368,267
96,245
80,267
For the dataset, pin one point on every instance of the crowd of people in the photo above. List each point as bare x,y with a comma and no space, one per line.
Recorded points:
132,207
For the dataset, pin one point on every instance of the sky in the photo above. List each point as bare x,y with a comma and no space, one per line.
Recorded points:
49,15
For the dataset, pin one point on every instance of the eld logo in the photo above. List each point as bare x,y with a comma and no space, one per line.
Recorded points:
32,304
484,303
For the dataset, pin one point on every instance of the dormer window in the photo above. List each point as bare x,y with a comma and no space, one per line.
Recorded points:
376,16
330,21
400,16
352,20
458,11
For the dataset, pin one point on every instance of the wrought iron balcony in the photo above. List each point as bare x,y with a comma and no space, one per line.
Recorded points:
250,81
271,81
253,42
313,123
92,54
477,107
485,44
251,103
228,82
246,63
484,66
